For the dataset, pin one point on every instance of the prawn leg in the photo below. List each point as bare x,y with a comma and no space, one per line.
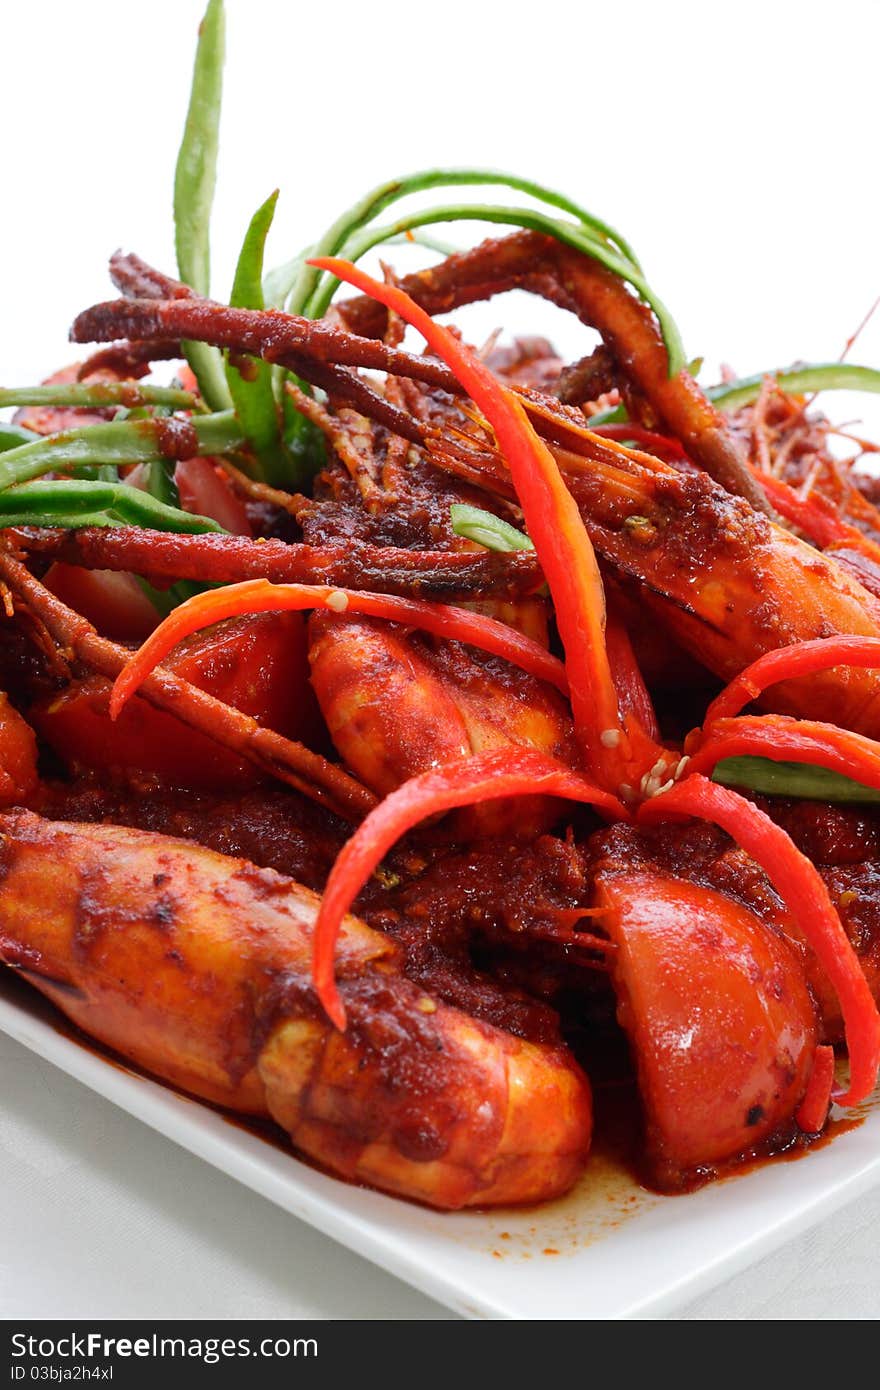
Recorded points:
225,559
531,261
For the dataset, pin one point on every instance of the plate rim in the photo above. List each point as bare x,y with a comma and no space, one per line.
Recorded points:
330,1205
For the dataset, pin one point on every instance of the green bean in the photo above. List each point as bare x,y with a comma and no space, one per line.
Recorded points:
366,238
381,197
99,395
68,503
99,472
303,441
127,441
13,436
194,180
800,780
247,286
160,482
486,529
253,393
810,376
289,450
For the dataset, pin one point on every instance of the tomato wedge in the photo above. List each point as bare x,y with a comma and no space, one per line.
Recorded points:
258,664
113,602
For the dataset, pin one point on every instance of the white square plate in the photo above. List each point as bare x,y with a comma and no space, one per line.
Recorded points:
609,1250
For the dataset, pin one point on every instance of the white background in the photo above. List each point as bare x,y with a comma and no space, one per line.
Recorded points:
734,145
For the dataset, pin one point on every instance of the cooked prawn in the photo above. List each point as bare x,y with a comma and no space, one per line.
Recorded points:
195,966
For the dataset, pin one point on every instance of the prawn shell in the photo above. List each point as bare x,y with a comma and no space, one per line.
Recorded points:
453,1113
397,704
197,967
729,585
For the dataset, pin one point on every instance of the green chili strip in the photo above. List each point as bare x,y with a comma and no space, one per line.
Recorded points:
800,780
194,180
812,376
571,235
350,237
247,286
99,395
375,202
160,482
126,441
64,502
303,443
252,390
486,529
196,171
13,436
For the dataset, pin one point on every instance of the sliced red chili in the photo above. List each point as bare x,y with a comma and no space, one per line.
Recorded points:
815,516
812,1112
788,663
632,692
649,439
782,739
260,596
501,772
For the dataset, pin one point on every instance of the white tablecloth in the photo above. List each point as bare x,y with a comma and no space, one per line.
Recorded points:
102,1217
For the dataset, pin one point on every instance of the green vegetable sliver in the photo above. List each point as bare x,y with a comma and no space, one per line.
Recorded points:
803,781
68,503
580,239
811,376
475,524
117,442
98,395
194,180
375,202
253,394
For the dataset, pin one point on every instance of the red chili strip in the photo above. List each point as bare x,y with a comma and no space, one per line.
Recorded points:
815,516
788,663
260,596
648,439
484,777
812,1112
631,689
783,739
552,521
804,893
